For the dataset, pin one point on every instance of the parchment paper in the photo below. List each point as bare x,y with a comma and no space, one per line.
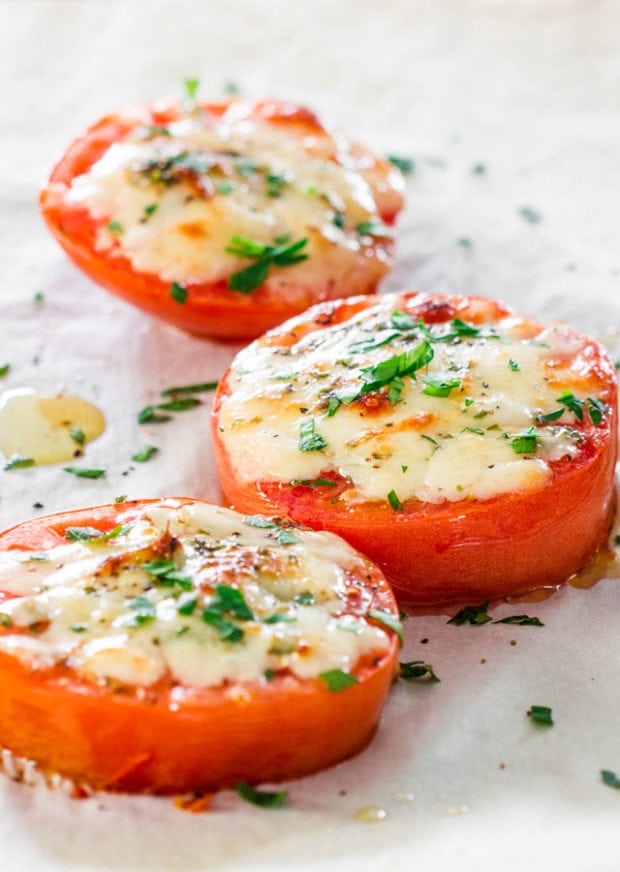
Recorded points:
529,89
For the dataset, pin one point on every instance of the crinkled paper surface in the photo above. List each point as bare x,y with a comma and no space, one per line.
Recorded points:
531,90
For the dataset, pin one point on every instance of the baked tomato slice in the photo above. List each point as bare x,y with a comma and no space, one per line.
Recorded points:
466,449
224,219
173,645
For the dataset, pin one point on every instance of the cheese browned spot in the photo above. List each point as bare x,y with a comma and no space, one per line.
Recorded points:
464,425
172,198
192,592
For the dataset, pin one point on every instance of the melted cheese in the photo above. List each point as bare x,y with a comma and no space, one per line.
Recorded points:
432,448
254,179
95,607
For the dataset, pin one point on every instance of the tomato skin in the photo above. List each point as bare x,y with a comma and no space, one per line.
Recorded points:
467,551
211,308
168,739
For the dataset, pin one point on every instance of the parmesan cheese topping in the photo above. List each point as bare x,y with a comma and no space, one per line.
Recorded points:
466,424
192,592
172,198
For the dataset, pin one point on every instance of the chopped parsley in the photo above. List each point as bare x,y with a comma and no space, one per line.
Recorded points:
336,680
309,439
167,574
390,373
224,188
145,453
282,253
149,415
437,388
394,501
479,169
178,293
5,620
38,298
18,461
262,798
541,714
191,89
84,471
200,387
275,184
610,778
405,164
305,599
388,621
525,443
316,482
93,535
529,214
116,228
417,669
514,366
474,615
285,534
374,228
77,434
4,369
181,404
521,621
143,610
150,209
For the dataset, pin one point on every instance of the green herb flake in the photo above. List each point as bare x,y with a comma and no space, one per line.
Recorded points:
282,253
262,798
143,610
84,471
402,321
38,298
279,619
394,501
4,369
438,388
188,607
120,499
477,430
521,621
309,439
405,164
150,209
93,535
149,415
373,228
464,242
610,778
551,416
390,373
305,599
178,293
388,621
79,628
474,615
287,537
5,620
479,169
338,220
77,434
181,404
18,461
199,388
597,409
191,89
336,680
224,188
525,443
529,214
415,670
116,228
541,714
231,88
145,454
514,366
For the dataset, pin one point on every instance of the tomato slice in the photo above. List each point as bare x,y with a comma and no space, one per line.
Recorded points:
467,450
167,646
148,202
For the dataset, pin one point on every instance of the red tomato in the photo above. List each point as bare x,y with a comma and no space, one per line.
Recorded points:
445,550
166,736
190,180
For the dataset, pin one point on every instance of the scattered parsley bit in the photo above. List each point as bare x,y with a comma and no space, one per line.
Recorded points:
305,599
188,607
201,387
275,183
525,443
178,293
151,209
316,482
92,534
477,430
383,337
541,714
79,628
231,88
616,540
224,188
597,409
551,416
417,669
388,621
179,405
464,242
479,169
5,620
402,320
394,501
389,373
144,454
373,228
120,499
4,369
309,440
474,615
262,798
514,366
149,415
38,298
434,388
336,680
191,89
116,228
610,778
77,434
18,461
405,164
285,534
338,220
143,612
279,619
281,253
167,574
521,621
84,471
530,214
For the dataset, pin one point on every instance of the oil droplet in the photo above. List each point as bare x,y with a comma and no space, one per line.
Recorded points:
370,814
456,810
40,427
604,564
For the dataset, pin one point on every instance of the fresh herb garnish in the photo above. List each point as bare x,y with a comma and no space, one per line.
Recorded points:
262,798
149,415
390,373
281,253
610,778
285,534
479,169
93,535
530,214
597,409
227,601
167,574
275,184
38,298
374,228
77,434
521,621
305,599
541,714
437,388
4,369
337,680
191,89
405,164
145,454
514,366
84,471
143,612
224,188
417,669
5,620
116,228
309,439
150,209
18,461
178,293
402,320
474,615
181,404
525,443
200,387
315,482
388,621
394,501
279,619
